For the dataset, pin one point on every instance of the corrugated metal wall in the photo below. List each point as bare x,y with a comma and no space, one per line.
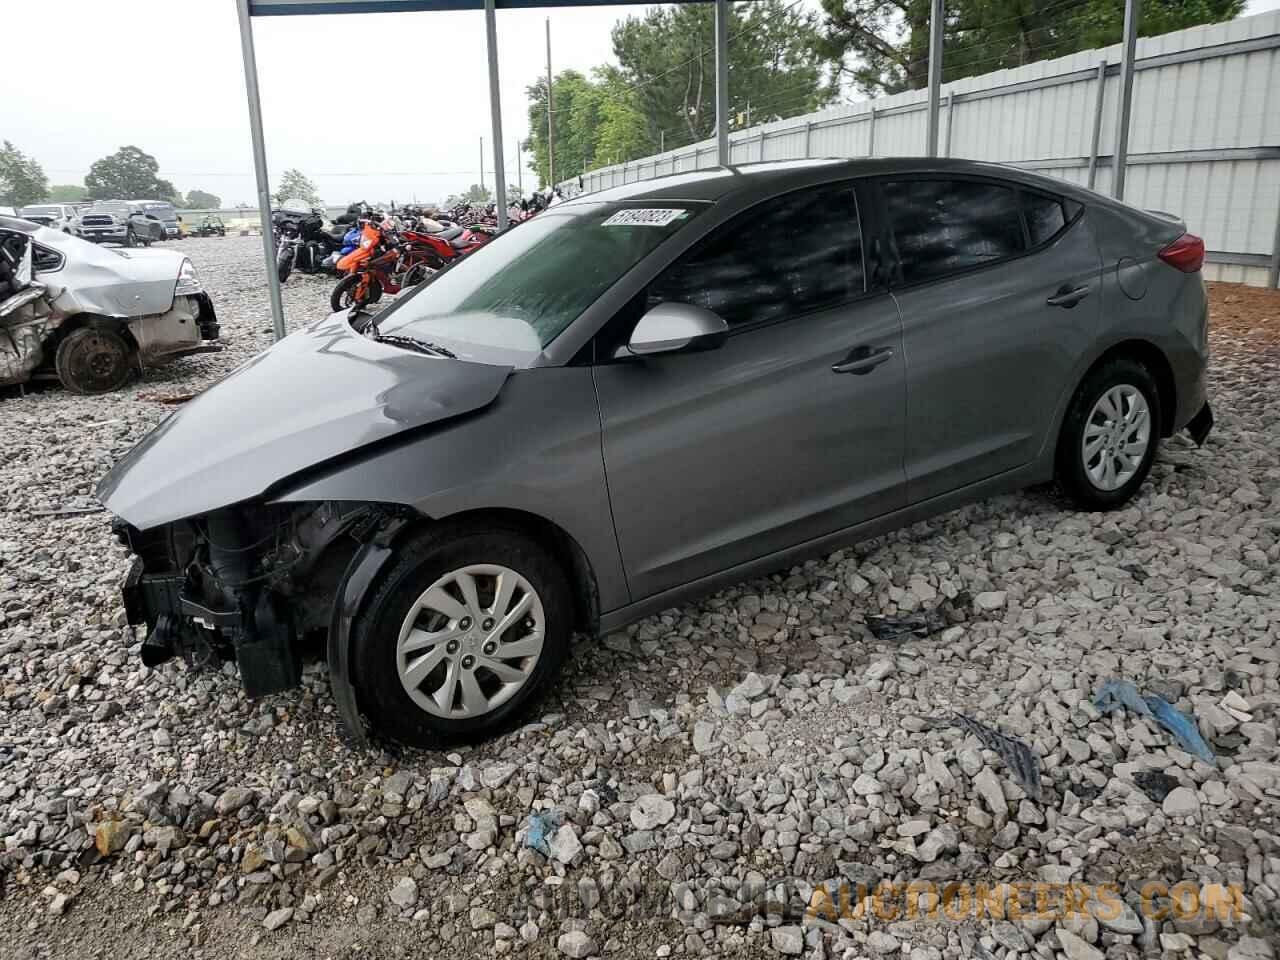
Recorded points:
1204,139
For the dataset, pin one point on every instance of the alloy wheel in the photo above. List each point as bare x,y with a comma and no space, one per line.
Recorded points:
1116,438
470,641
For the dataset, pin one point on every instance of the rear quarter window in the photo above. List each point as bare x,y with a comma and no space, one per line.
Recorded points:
1046,217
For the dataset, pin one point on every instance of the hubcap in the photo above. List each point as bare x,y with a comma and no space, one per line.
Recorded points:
470,641
1116,437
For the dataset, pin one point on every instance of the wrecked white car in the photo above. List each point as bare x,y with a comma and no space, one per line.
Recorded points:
91,316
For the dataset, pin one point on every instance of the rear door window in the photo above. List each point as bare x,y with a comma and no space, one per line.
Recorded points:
788,256
945,226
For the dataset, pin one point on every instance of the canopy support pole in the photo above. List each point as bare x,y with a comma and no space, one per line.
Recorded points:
495,110
936,24
1129,46
260,165
722,82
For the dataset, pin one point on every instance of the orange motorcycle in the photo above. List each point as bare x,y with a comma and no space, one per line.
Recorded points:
380,263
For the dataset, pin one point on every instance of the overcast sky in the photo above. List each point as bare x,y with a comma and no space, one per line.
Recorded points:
377,106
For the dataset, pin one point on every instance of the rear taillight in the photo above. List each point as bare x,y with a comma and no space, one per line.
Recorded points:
1186,253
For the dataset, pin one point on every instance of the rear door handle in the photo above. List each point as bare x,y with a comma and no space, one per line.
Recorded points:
1067,297
863,360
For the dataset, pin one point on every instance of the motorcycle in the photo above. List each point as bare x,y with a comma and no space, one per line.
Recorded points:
303,242
450,241
382,263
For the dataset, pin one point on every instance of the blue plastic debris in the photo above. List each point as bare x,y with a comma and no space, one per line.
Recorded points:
1116,693
1182,727
541,827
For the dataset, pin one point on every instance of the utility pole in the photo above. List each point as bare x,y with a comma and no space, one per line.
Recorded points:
482,163
551,147
519,168
662,141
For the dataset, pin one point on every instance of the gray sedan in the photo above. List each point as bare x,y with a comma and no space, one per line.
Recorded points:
645,394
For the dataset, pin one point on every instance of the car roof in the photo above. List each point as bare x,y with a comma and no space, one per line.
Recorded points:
774,176
18,224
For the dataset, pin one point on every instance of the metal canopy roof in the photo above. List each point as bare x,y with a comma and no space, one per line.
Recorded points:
285,8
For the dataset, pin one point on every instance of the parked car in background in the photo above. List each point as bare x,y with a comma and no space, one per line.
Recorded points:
91,316
55,216
166,214
645,394
121,221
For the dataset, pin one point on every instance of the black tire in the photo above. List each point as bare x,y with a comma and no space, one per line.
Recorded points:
93,360
416,274
344,296
130,238
284,264
1072,469
420,562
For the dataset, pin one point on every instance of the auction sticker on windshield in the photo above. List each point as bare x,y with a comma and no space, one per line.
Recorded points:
647,217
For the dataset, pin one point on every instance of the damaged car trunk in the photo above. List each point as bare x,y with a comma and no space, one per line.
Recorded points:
91,317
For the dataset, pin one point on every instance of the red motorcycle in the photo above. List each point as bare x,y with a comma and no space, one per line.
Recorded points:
382,263
449,243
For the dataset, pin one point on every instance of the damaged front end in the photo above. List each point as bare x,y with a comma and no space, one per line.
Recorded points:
249,583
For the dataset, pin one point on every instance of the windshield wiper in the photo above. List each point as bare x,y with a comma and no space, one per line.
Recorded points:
416,345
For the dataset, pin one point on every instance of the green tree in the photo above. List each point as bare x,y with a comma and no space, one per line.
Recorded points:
621,131
128,174
67,193
199,200
884,47
22,180
294,185
475,195
668,58
575,104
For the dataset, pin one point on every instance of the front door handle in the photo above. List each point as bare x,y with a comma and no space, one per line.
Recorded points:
863,360
1067,297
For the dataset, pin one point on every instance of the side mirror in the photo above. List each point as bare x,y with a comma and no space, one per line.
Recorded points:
672,327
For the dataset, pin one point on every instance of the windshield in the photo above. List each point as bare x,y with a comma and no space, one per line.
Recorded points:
109,208
520,292
165,211
40,211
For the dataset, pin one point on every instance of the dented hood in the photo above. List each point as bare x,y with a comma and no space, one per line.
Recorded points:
319,393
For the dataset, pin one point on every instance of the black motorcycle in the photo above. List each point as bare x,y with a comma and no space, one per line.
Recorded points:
303,242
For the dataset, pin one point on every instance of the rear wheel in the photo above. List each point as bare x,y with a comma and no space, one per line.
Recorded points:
94,360
1110,436
461,635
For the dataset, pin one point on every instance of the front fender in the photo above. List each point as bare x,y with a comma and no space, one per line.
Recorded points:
535,450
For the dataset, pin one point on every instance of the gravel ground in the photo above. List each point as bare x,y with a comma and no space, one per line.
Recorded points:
700,773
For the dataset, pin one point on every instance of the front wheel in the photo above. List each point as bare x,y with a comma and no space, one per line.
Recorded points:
130,238
347,293
284,264
1110,435
464,632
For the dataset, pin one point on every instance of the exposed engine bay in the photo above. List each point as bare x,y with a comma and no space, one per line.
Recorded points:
247,583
